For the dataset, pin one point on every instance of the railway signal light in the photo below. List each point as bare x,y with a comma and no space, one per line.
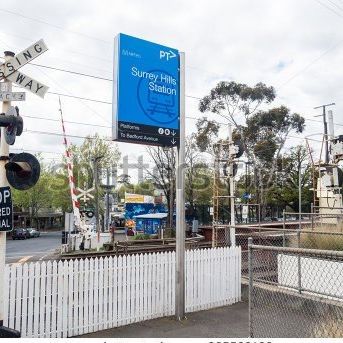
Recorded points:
226,169
237,148
13,124
89,213
22,171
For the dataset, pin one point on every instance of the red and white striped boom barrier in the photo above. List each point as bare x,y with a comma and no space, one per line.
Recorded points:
75,202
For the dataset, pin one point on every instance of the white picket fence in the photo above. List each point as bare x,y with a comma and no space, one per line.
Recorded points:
65,299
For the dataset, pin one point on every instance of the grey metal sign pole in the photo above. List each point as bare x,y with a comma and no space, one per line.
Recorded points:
180,204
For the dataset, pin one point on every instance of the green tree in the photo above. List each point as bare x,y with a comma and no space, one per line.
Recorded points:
286,189
262,132
52,189
264,137
36,198
163,175
84,155
83,168
232,100
198,175
145,187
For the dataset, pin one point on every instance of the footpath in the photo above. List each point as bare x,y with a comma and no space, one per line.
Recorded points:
222,322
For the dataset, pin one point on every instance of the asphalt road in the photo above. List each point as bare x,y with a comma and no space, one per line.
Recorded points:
32,249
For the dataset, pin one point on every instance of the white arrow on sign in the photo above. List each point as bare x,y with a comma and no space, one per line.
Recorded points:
12,96
24,57
173,141
28,83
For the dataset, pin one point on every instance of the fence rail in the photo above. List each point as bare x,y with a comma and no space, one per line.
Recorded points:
288,238
295,292
331,219
70,298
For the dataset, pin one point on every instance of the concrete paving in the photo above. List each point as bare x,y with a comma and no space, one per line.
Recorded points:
222,322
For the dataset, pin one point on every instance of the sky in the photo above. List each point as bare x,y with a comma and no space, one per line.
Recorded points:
295,46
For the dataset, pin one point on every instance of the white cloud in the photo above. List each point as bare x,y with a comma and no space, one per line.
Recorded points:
292,45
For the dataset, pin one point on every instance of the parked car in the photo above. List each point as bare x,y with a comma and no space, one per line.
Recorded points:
20,234
33,232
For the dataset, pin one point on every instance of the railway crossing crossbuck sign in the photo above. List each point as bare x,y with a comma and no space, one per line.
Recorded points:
9,70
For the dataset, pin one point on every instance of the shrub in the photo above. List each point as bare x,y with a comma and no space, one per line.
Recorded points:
321,241
141,237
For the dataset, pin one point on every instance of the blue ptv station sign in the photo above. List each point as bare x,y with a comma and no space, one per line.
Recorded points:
146,97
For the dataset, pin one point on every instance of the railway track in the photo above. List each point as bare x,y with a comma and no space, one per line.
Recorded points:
129,250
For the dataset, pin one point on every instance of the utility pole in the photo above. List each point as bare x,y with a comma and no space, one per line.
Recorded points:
325,129
4,152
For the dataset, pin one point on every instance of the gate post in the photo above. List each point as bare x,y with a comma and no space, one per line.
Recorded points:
250,271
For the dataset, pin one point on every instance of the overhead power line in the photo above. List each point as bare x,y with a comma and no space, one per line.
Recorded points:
110,140
102,101
330,8
71,72
91,76
97,100
109,42
61,135
53,25
320,121
91,124
110,103
336,5
109,127
80,98
66,121
37,151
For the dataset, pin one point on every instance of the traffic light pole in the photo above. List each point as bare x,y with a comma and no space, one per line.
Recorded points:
4,152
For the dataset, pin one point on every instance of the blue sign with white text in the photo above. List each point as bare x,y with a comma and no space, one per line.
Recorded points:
146,92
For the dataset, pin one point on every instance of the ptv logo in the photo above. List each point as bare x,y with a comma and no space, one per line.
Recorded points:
167,55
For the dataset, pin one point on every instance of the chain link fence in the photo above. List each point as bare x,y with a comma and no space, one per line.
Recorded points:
331,220
304,238
221,235
295,292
